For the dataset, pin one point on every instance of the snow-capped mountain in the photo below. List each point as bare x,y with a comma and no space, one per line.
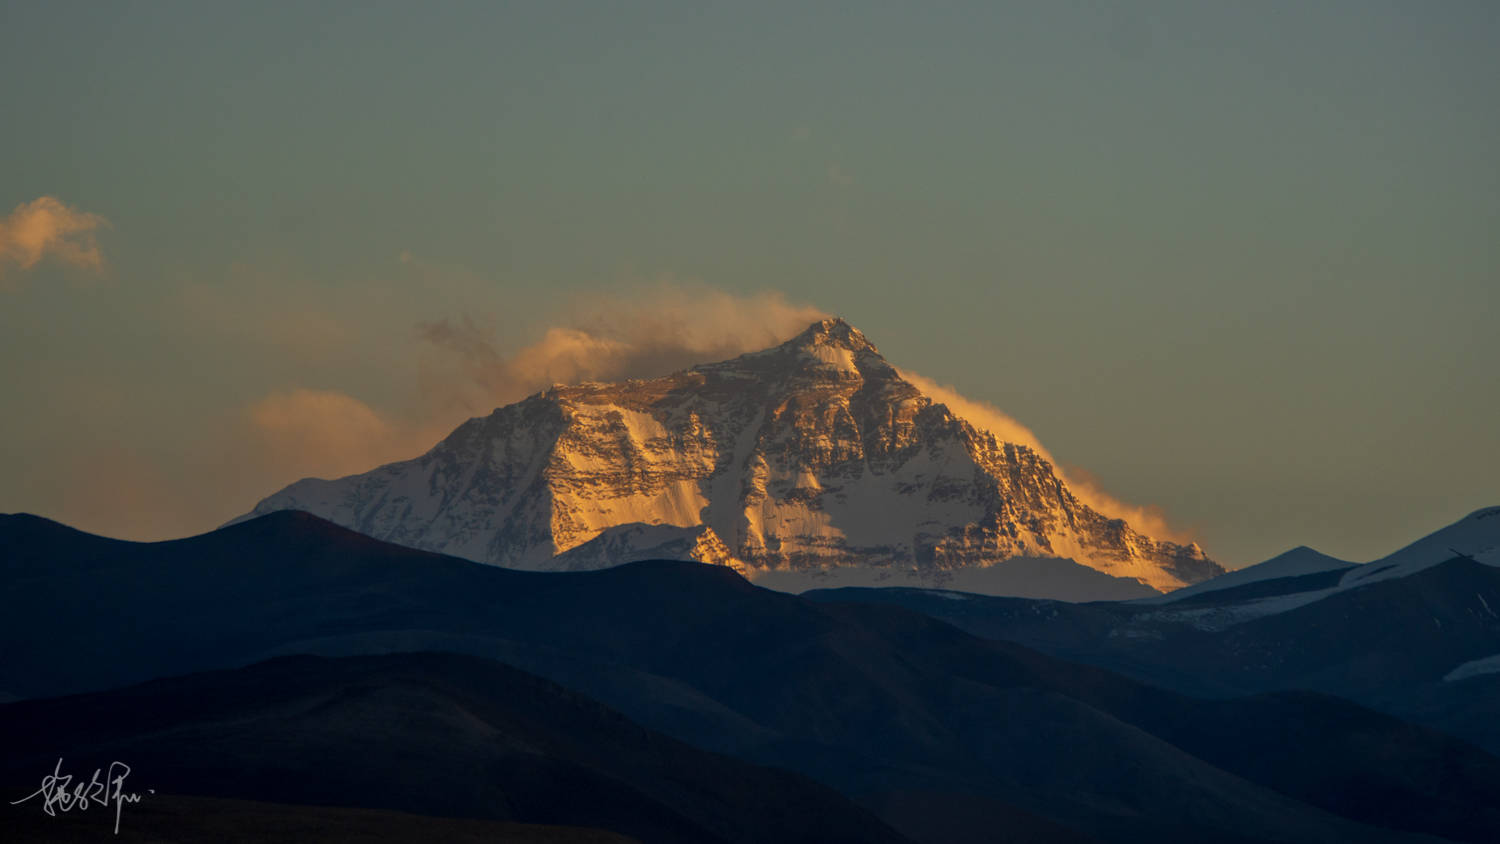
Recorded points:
811,456
1298,562
1476,535
1221,603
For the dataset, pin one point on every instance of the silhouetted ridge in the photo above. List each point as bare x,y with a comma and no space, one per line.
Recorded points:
887,705
304,529
27,527
680,571
438,734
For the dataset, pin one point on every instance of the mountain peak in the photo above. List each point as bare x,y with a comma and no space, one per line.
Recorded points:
809,456
832,331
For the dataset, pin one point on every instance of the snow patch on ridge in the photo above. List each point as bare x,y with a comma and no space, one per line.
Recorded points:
1477,536
1474,668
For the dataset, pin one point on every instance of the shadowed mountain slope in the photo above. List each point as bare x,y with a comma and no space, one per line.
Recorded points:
888,706
436,734
182,819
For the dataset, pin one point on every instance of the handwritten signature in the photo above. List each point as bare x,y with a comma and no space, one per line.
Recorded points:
60,794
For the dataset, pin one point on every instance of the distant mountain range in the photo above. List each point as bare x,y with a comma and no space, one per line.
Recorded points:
1415,633
926,732
810,463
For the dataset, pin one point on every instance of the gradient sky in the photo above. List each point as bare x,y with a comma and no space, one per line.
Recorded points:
1238,261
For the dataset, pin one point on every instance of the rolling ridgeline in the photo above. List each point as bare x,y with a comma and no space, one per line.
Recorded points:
875,721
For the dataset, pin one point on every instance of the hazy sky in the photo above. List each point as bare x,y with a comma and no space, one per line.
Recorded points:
1238,261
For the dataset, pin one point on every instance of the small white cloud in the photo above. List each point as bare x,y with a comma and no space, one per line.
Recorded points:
46,227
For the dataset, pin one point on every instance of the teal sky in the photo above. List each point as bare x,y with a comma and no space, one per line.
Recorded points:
1238,261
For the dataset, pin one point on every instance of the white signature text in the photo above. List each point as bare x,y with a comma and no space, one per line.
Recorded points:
60,793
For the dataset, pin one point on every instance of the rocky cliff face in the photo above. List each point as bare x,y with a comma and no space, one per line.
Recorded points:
809,456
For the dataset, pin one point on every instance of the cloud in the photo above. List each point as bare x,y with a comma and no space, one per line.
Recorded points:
980,414
325,433
987,417
654,331
46,227
1148,519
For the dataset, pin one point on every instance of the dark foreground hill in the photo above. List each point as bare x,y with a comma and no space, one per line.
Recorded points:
182,819
946,736
1398,645
435,734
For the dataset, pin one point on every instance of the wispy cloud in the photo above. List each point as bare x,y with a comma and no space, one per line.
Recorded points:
320,432
987,417
651,331
981,415
46,227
